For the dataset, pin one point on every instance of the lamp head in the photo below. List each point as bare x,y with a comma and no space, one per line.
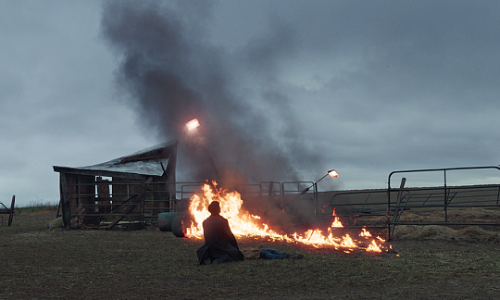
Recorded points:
333,173
194,123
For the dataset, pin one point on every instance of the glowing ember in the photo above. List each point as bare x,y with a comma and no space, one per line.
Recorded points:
244,224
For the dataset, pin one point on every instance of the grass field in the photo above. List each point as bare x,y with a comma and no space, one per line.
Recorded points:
37,263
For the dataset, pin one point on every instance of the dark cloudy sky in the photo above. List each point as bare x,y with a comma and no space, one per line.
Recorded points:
283,87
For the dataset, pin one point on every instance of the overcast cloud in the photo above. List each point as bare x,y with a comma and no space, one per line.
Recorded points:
365,87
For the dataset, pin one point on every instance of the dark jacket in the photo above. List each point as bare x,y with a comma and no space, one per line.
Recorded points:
220,242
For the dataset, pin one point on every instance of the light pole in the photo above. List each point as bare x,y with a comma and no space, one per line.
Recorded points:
332,174
192,125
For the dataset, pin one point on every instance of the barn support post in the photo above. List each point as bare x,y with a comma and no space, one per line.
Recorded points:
170,173
65,201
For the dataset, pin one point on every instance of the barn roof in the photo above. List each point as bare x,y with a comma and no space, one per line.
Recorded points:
152,161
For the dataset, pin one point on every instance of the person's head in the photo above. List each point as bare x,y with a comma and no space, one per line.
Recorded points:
214,208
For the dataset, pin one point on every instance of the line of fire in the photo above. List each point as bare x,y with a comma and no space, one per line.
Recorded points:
140,191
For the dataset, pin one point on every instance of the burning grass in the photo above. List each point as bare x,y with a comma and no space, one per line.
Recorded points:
94,264
245,224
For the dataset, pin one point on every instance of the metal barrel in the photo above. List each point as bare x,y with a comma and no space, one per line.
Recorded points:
165,220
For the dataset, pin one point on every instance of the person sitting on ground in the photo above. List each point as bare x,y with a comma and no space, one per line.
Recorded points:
220,244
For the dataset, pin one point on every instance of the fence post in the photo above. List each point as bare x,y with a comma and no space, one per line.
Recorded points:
11,213
396,209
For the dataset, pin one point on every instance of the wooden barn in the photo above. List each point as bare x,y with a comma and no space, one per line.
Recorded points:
131,189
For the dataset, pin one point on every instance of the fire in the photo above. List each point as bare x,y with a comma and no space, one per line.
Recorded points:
336,221
365,232
244,224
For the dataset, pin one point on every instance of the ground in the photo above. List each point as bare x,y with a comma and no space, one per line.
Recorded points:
38,263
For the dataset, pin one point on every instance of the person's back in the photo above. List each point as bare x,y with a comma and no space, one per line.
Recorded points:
220,243
217,232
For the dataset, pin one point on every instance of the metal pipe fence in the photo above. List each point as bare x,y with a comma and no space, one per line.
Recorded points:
144,202
384,208
368,208
450,193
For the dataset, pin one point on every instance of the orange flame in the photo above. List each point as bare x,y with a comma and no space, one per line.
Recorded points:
244,224
365,232
336,221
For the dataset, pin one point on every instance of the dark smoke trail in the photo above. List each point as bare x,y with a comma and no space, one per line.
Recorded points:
174,74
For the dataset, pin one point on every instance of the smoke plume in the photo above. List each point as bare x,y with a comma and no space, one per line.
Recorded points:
173,73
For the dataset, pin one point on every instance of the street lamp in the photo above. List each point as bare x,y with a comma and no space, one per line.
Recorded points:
192,125
332,174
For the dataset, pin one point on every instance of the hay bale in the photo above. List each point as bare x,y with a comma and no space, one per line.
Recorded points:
476,232
430,232
436,232
407,216
402,232
56,223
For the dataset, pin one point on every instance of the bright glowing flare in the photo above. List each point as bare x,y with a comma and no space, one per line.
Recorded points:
192,124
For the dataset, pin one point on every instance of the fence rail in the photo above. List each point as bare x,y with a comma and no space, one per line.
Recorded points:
386,207
143,202
383,208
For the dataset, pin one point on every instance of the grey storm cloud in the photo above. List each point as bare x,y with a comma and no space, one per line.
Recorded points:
381,81
283,89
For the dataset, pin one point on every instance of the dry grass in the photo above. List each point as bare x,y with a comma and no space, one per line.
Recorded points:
36,263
